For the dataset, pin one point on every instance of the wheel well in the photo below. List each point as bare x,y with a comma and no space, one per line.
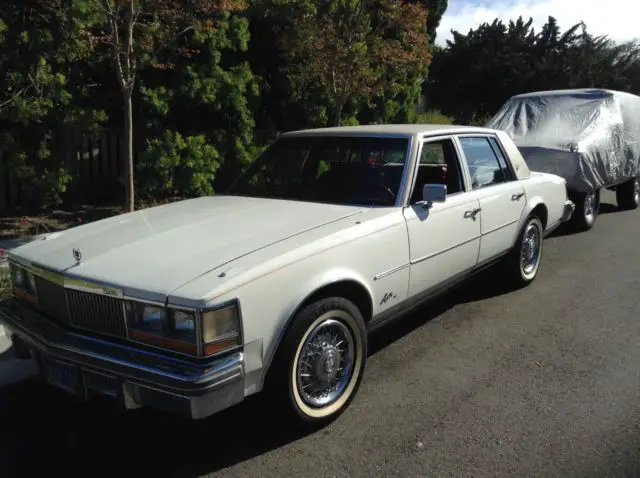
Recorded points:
541,211
347,289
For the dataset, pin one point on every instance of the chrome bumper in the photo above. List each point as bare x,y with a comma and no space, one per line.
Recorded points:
87,366
569,208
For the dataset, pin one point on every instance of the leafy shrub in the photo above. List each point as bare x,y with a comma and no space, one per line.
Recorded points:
5,283
477,120
433,117
177,165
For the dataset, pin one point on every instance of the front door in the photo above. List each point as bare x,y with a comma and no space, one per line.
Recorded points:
502,198
444,239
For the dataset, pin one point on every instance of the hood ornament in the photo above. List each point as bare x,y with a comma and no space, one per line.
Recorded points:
77,255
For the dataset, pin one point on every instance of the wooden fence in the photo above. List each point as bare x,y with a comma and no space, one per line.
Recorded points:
95,162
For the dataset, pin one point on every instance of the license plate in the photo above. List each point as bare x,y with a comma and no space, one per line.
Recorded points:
62,375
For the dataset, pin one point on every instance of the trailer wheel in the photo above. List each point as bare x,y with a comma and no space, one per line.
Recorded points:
628,194
586,213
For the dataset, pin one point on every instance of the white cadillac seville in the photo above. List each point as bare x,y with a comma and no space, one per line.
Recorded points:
274,286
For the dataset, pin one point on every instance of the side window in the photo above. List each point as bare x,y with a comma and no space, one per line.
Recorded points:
394,156
438,164
487,167
432,153
506,170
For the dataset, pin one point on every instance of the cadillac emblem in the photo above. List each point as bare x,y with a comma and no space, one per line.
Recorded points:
77,255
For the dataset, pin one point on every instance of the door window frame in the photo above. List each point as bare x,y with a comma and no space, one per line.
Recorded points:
463,173
501,156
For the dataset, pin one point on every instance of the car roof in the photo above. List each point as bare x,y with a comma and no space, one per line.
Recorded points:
390,129
593,92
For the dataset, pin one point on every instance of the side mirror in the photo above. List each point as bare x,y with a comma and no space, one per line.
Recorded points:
434,193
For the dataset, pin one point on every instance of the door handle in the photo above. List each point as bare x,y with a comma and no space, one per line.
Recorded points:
472,213
516,197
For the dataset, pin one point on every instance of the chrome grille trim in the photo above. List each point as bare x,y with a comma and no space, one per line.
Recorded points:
52,300
97,313
81,309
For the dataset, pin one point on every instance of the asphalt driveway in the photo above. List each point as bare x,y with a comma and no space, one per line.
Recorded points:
543,381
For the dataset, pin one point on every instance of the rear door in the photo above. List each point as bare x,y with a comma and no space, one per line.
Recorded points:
502,197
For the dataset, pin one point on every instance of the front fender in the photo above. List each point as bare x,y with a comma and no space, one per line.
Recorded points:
303,293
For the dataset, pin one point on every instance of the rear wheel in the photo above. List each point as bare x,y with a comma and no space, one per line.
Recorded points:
586,213
628,194
523,262
319,365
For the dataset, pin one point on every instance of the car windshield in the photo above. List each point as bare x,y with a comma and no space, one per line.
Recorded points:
338,170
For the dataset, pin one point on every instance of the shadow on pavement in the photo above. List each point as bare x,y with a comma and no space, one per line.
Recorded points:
566,230
43,429
607,208
485,285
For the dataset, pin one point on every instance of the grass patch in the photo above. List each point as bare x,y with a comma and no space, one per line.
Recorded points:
51,221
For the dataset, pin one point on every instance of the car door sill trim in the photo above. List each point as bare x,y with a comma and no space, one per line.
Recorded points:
421,298
391,271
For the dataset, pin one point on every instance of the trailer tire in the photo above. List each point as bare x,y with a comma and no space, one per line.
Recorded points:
586,213
628,194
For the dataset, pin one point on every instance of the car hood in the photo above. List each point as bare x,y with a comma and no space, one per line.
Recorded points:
156,250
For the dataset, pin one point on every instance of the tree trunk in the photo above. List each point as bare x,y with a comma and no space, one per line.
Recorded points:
129,205
337,114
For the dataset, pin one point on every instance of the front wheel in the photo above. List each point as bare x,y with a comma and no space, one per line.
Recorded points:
523,262
320,363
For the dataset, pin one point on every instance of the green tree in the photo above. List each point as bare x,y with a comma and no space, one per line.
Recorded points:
435,9
349,51
288,102
199,115
135,34
44,85
475,73
398,99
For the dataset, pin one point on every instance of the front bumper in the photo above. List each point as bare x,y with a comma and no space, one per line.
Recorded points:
87,366
569,208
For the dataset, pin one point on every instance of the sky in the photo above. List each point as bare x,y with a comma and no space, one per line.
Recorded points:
618,19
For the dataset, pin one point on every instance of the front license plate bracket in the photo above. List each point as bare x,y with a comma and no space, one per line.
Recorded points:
62,375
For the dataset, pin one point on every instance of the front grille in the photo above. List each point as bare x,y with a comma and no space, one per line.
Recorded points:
83,310
97,313
52,300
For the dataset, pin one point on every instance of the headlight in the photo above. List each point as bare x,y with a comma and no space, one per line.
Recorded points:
146,323
179,330
182,326
146,318
220,329
31,279
19,279
24,282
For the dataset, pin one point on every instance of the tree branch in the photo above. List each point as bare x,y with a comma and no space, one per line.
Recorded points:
19,93
130,55
112,16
